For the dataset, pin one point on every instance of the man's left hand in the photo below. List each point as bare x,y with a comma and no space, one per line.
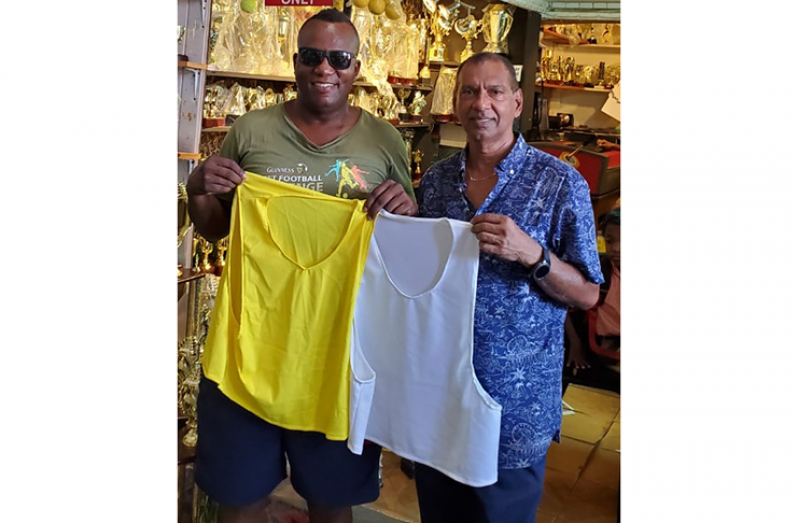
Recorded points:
392,197
499,235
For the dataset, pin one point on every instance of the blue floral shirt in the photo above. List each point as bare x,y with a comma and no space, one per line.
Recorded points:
518,329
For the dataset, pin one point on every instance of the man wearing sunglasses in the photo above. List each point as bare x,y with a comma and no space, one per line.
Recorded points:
320,142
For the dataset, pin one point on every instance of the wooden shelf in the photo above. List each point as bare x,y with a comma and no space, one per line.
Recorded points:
250,76
447,63
290,79
188,156
554,37
192,65
401,125
576,88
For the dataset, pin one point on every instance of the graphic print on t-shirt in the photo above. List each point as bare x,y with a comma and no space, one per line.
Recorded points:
348,177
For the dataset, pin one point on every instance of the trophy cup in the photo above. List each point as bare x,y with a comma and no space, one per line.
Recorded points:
403,94
568,70
468,28
579,75
496,24
289,93
183,219
283,26
442,108
416,105
442,19
417,155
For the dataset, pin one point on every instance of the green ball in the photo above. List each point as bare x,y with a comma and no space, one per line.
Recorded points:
249,6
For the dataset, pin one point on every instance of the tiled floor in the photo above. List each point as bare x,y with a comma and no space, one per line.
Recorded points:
582,471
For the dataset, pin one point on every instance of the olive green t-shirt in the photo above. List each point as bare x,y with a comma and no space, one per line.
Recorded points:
267,142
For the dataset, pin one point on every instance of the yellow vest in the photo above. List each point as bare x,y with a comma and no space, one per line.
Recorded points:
278,342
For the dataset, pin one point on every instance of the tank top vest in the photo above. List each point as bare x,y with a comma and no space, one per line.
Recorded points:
279,337
414,389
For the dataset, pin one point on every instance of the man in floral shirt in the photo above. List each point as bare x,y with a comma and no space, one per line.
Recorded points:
532,216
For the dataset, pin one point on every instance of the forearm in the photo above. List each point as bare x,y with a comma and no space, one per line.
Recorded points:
567,285
210,216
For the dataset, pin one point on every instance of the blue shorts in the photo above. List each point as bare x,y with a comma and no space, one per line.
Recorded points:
242,458
512,499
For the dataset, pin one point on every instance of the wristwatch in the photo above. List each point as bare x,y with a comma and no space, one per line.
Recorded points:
542,268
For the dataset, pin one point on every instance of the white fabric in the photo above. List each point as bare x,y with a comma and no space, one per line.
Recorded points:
414,390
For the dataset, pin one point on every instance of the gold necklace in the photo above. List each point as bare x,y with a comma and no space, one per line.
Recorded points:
471,178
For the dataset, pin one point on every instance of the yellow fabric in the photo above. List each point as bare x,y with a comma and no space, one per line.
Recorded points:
278,342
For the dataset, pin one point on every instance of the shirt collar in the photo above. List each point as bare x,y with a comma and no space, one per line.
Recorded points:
509,165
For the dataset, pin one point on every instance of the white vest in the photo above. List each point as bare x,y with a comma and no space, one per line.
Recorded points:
414,390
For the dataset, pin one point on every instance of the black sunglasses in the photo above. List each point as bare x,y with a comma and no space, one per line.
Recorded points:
338,60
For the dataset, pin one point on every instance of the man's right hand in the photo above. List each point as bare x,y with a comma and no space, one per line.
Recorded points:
216,175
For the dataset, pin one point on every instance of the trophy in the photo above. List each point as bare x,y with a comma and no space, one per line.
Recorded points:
601,81
568,70
416,105
221,247
206,248
545,65
442,108
579,75
424,76
183,219
442,19
496,24
289,93
417,155
283,26
188,378
195,253
407,136
555,71
403,94
181,32
468,28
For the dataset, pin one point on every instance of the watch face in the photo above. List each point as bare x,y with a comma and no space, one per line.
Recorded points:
542,271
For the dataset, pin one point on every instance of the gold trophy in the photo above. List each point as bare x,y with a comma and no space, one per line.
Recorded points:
417,155
424,75
289,93
442,109
188,378
283,26
496,24
183,219
468,28
206,248
545,65
568,70
442,19
221,247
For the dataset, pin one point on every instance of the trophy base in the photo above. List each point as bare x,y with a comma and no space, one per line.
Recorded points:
400,80
415,118
590,85
437,53
442,118
212,122
405,117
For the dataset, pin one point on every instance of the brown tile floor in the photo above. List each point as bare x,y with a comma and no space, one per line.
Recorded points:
582,471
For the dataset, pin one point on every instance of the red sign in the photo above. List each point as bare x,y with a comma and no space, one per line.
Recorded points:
298,3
